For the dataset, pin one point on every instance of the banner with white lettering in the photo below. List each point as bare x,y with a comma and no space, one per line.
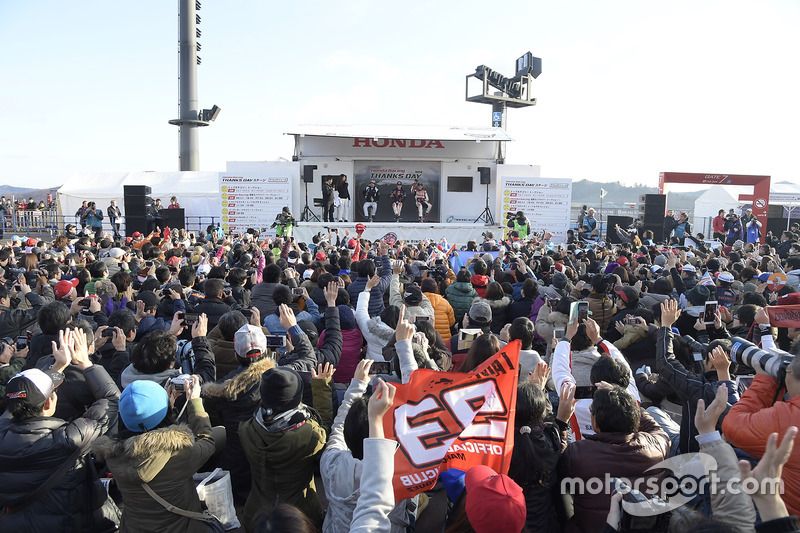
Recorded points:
252,200
445,420
386,175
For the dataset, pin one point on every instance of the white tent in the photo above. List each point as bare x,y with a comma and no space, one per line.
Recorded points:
197,192
708,204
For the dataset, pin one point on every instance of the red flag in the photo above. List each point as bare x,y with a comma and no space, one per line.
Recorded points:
784,316
447,420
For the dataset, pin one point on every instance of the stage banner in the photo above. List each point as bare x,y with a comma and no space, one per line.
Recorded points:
545,201
386,175
252,200
444,420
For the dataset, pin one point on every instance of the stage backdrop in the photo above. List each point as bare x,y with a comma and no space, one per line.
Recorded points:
545,201
252,199
386,175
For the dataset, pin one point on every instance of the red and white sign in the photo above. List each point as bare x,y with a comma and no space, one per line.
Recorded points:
445,420
776,281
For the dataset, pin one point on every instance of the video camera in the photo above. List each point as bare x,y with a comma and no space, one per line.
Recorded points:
773,362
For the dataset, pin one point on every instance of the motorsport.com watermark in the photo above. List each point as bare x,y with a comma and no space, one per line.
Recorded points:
685,477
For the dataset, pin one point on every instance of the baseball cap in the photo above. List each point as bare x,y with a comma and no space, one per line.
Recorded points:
33,386
31,241
64,287
249,341
725,277
116,253
320,256
352,243
480,312
655,269
308,273
412,295
626,293
204,269
360,228
136,234
494,502
16,238
143,405
149,298
623,261
175,261
688,268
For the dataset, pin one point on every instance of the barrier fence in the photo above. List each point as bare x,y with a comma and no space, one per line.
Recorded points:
48,222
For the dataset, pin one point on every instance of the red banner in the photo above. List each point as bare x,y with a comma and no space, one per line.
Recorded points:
445,420
784,316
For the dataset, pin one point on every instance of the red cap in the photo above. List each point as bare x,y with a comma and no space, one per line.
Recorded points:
494,501
31,242
175,261
623,261
320,256
360,228
64,287
352,243
136,234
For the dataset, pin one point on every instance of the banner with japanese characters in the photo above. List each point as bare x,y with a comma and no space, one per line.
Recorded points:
545,201
250,200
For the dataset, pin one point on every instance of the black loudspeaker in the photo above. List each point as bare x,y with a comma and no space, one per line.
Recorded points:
653,208
174,218
137,190
308,173
486,175
624,223
135,223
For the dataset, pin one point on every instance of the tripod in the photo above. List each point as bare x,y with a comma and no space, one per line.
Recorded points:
486,214
308,215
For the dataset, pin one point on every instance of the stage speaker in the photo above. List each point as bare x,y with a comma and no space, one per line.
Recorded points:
135,223
308,173
624,223
657,229
174,218
486,175
653,208
137,190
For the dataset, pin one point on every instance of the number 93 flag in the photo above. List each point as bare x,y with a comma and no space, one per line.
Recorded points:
445,420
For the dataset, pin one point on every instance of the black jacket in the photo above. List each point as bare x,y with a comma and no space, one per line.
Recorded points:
14,322
40,346
214,308
31,450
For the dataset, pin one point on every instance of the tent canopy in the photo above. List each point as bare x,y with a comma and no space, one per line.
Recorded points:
197,192
710,202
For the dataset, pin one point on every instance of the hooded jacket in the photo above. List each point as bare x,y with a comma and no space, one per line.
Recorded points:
166,459
479,283
499,312
396,298
31,450
460,295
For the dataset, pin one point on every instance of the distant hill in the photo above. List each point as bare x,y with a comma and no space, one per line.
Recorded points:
588,192
20,192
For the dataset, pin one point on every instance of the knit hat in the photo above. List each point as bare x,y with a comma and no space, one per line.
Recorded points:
749,287
281,390
559,281
64,287
249,341
480,312
143,405
660,260
347,319
610,268
412,295
33,386
149,298
697,295
494,502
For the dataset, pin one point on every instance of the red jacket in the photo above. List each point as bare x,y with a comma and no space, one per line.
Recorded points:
751,421
718,224
479,283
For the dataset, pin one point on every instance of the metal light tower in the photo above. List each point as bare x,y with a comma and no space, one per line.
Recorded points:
191,116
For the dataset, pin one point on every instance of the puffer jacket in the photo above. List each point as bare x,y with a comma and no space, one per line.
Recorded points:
460,295
234,399
443,314
499,312
165,459
31,450
283,463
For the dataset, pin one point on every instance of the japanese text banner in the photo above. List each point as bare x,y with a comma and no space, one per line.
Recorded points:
445,420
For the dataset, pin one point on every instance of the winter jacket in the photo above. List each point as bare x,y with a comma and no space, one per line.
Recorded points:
261,298
214,308
396,298
14,322
479,283
650,299
204,367
601,308
273,322
303,357
499,312
460,295
443,314
113,360
234,398
375,332
616,454
283,463
352,341
224,354
751,421
165,459
518,308
151,323
689,387
31,450
358,285
39,346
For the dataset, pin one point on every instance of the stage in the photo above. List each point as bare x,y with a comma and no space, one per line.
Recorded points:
408,231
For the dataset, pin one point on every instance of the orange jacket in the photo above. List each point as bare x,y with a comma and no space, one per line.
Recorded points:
751,421
443,314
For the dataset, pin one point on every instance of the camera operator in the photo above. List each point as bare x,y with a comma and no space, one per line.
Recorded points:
519,223
758,414
284,222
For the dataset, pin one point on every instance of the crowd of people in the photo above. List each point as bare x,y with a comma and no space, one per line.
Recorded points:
128,365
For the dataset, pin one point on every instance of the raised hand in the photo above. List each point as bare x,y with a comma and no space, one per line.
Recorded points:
323,373
540,374
362,370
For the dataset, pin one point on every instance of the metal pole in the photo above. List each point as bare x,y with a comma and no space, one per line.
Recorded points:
189,145
500,107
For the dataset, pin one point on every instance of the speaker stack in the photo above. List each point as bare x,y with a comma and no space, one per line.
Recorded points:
653,209
137,201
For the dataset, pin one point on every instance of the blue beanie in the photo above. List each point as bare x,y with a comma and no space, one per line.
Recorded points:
143,405
347,319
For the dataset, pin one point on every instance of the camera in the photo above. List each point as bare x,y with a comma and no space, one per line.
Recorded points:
774,362
179,382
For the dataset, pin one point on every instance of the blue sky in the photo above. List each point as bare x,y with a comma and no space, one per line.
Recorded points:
628,89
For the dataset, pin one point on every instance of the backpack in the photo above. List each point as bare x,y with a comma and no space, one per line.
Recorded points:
185,356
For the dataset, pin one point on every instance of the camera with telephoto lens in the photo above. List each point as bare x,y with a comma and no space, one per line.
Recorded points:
695,345
773,362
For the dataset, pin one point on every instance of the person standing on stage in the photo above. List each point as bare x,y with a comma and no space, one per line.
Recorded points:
114,213
327,199
173,203
284,223
344,199
371,195
398,196
718,224
423,202
80,214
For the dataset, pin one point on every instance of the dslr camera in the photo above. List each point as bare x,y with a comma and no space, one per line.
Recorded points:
774,362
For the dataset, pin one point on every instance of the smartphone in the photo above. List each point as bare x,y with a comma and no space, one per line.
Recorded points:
583,311
247,312
148,264
108,332
276,341
190,318
710,312
83,302
558,333
583,393
297,291
22,342
422,318
381,367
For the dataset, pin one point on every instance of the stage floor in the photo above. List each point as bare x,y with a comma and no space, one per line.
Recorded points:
409,231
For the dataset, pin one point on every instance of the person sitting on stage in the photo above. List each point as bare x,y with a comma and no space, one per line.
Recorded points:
398,196
371,195
423,202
